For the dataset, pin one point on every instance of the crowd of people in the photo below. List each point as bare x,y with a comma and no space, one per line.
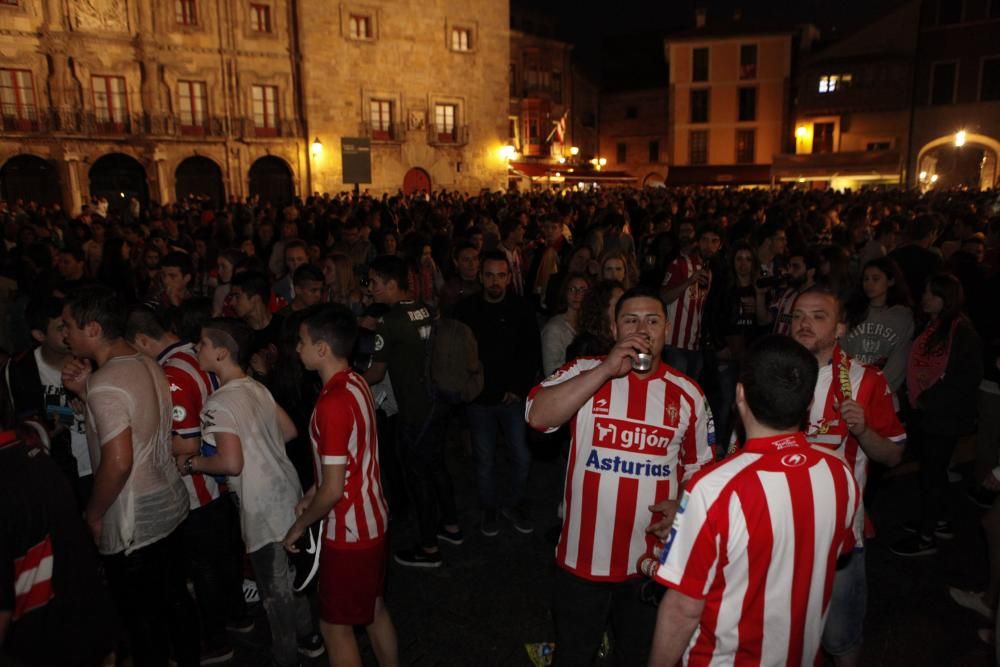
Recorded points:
228,388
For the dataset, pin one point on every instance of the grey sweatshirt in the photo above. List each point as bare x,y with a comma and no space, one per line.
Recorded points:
883,340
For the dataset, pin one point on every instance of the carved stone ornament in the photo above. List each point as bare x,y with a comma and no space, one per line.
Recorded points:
100,15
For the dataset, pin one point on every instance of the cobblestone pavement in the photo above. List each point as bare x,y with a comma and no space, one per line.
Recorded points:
493,594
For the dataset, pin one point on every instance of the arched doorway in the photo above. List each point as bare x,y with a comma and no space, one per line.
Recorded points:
118,177
271,180
199,177
943,163
652,180
416,180
31,179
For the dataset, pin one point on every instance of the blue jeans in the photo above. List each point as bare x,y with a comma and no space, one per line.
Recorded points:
483,422
688,362
845,619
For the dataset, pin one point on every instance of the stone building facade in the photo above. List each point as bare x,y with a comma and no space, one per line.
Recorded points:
634,133
160,99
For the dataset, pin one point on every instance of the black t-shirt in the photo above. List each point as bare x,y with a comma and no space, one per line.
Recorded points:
63,615
401,344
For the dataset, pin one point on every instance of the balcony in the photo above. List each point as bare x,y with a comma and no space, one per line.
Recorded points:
17,124
393,133
457,136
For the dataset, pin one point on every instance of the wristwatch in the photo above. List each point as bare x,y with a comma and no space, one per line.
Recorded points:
187,464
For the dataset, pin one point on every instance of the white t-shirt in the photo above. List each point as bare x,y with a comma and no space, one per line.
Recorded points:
268,488
132,392
61,411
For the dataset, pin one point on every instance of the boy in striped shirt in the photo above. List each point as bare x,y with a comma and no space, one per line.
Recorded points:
347,494
752,553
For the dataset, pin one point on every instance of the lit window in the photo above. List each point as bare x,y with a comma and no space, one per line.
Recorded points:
380,117
745,146
832,82
186,12
748,61
110,102
444,121
260,17
192,105
17,98
360,27
461,39
265,110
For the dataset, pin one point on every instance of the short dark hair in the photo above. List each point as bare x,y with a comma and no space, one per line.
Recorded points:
305,273
391,267
180,260
779,377
42,310
97,303
825,290
232,334
295,243
508,226
253,283
810,256
144,320
464,245
335,325
495,256
711,227
75,251
187,319
637,292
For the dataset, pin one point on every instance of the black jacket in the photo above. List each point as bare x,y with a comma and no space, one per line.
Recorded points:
949,406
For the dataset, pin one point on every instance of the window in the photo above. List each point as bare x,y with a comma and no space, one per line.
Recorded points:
265,110
829,83
185,12
359,26
444,121
989,85
589,119
949,12
748,104
748,61
192,106
654,151
536,76
513,80
380,117
260,17
461,39
621,153
699,64
745,146
699,106
631,113
943,79
556,87
17,99
878,146
822,137
698,146
110,104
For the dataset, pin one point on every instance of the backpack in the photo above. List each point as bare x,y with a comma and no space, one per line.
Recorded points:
454,373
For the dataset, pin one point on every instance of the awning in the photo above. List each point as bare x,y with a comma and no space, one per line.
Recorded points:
729,174
531,168
824,166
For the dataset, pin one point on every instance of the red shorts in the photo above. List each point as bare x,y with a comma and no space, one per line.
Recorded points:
350,580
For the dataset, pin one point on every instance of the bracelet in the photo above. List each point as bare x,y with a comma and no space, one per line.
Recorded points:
187,464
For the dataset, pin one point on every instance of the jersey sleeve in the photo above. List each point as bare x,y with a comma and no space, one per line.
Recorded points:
880,414
337,429
698,445
110,409
675,275
217,419
691,551
185,397
568,371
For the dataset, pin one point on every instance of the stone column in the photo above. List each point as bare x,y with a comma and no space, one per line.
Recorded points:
161,193
69,183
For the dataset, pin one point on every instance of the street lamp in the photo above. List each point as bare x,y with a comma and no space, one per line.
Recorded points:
507,152
602,161
573,150
316,147
923,176
959,138
934,178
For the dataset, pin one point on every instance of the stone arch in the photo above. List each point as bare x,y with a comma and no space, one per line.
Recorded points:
928,163
119,177
199,176
415,180
30,178
271,179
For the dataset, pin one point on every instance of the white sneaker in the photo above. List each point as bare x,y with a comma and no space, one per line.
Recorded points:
970,600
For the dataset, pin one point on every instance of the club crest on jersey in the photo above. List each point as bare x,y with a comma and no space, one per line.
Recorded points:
179,413
794,460
379,343
602,406
629,436
672,415
174,387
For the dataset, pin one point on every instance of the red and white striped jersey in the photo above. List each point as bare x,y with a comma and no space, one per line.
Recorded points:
33,578
342,431
783,312
634,443
684,314
757,538
828,430
190,387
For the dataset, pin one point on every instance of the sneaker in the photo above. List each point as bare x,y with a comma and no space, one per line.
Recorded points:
917,545
243,626
971,600
942,529
417,557
216,656
982,498
250,592
306,561
489,526
522,522
455,537
311,646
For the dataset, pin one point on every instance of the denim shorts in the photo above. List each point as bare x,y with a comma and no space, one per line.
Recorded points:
845,619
